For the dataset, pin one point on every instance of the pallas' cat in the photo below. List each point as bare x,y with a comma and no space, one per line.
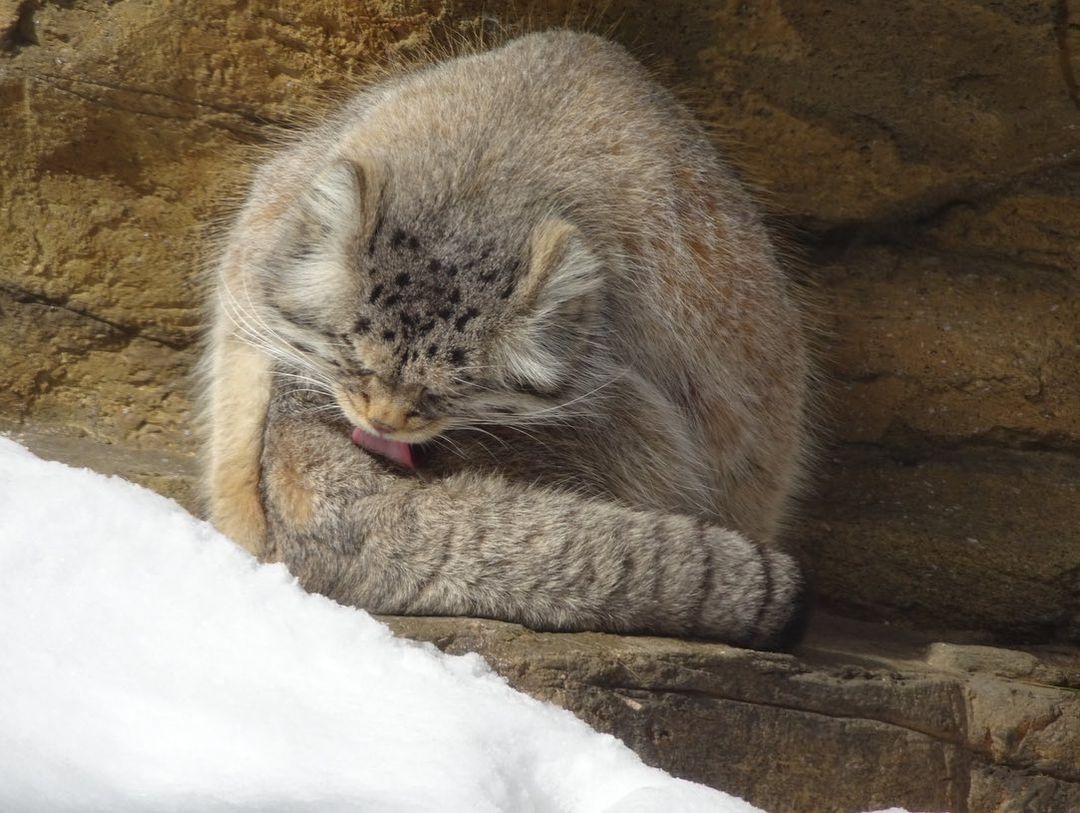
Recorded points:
505,338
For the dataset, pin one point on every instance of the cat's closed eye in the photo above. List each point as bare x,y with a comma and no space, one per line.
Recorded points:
430,403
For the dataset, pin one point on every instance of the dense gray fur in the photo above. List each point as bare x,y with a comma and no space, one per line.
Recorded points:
532,260
475,543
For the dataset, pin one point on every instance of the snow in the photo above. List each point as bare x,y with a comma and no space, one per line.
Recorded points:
148,664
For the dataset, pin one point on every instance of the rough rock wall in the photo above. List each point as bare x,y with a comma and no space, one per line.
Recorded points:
923,160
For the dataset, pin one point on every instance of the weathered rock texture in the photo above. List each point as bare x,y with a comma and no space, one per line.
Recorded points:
923,161
930,726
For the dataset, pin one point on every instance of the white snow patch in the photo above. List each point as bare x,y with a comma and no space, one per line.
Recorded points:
148,664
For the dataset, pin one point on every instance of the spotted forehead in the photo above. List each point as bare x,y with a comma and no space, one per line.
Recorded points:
425,299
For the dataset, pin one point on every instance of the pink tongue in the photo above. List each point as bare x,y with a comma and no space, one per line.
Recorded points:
394,450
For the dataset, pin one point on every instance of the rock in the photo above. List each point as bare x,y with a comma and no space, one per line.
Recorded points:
953,483
848,113
860,718
932,349
1033,225
951,538
924,162
84,375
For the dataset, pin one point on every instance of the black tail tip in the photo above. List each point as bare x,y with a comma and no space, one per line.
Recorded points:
791,633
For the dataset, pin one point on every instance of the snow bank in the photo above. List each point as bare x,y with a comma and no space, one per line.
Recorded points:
146,663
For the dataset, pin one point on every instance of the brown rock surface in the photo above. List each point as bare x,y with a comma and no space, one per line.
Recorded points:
952,493
955,538
928,157
859,718
924,161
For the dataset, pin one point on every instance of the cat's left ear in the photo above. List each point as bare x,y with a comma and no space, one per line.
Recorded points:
554,306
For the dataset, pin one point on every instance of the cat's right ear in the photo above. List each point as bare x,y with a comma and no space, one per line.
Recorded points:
336,213
342,201
556,303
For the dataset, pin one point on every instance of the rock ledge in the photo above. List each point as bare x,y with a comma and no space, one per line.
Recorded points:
863,716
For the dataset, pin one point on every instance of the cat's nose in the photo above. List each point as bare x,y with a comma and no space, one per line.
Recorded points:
382,428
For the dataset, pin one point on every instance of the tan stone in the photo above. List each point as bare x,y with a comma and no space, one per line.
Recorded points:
979,538
859,719
926,347
928,156
846,111
86,377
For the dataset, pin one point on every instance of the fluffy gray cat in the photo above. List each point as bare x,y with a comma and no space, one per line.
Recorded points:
505,338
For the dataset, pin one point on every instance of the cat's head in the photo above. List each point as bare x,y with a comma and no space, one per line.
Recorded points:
418,316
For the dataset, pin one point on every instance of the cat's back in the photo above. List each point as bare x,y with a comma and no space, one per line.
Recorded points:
566,119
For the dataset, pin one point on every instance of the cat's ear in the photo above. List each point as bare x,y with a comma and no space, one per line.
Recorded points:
336,215
342,200
554,307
